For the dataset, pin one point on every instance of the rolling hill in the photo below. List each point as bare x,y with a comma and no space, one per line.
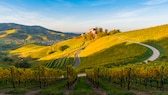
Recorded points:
107,51
21,34
112,62
24,32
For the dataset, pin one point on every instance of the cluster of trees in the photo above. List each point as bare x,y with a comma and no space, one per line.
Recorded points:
98,32
146,75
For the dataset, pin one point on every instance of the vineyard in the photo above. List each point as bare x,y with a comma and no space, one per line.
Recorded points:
41,76
151,75
108,66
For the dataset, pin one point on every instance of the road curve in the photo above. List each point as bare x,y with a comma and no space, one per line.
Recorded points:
155,54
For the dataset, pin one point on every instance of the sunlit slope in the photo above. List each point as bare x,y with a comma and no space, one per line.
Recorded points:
110,50
30,50
63,48
153,33
157,35
28,37
49,52
7,32
100,44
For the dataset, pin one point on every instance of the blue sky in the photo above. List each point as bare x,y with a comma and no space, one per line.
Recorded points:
80,15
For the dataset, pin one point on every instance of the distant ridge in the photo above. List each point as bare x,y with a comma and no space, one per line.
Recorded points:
35,31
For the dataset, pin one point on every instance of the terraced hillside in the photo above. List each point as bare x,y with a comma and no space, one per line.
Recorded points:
105,62
54,56
106,51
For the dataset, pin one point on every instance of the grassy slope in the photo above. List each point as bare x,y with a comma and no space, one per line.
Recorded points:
158,36
44,52
63,48
110,50
57,55
29,50
153,33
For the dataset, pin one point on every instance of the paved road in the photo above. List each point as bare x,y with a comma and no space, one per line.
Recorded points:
77,58
155,54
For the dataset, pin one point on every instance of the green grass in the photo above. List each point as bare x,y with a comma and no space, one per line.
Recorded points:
159,47
150,90
120,54
82,88
57,89
113,90
145,56
17,91
154,36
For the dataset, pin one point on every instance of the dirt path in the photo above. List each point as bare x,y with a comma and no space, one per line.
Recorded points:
99,91
155,54
139,92
2,91
32,92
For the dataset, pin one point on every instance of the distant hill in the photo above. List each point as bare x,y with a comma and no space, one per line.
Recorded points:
13,35
24,32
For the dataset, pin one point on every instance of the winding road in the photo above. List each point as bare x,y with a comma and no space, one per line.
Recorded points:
153,57
155,54
77,59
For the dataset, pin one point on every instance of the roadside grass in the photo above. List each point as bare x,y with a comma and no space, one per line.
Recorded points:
158,47
145,56
113,90
82,88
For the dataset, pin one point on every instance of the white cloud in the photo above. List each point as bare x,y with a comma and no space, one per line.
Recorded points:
132,12
12,14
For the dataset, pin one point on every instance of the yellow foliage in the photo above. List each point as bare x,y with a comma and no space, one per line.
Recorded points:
3,35
51,32
44,38
8,32
154,33
29,37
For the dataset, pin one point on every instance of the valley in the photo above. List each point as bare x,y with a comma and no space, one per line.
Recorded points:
110,63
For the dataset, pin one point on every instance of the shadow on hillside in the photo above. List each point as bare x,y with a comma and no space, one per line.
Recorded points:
162,46
120,54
